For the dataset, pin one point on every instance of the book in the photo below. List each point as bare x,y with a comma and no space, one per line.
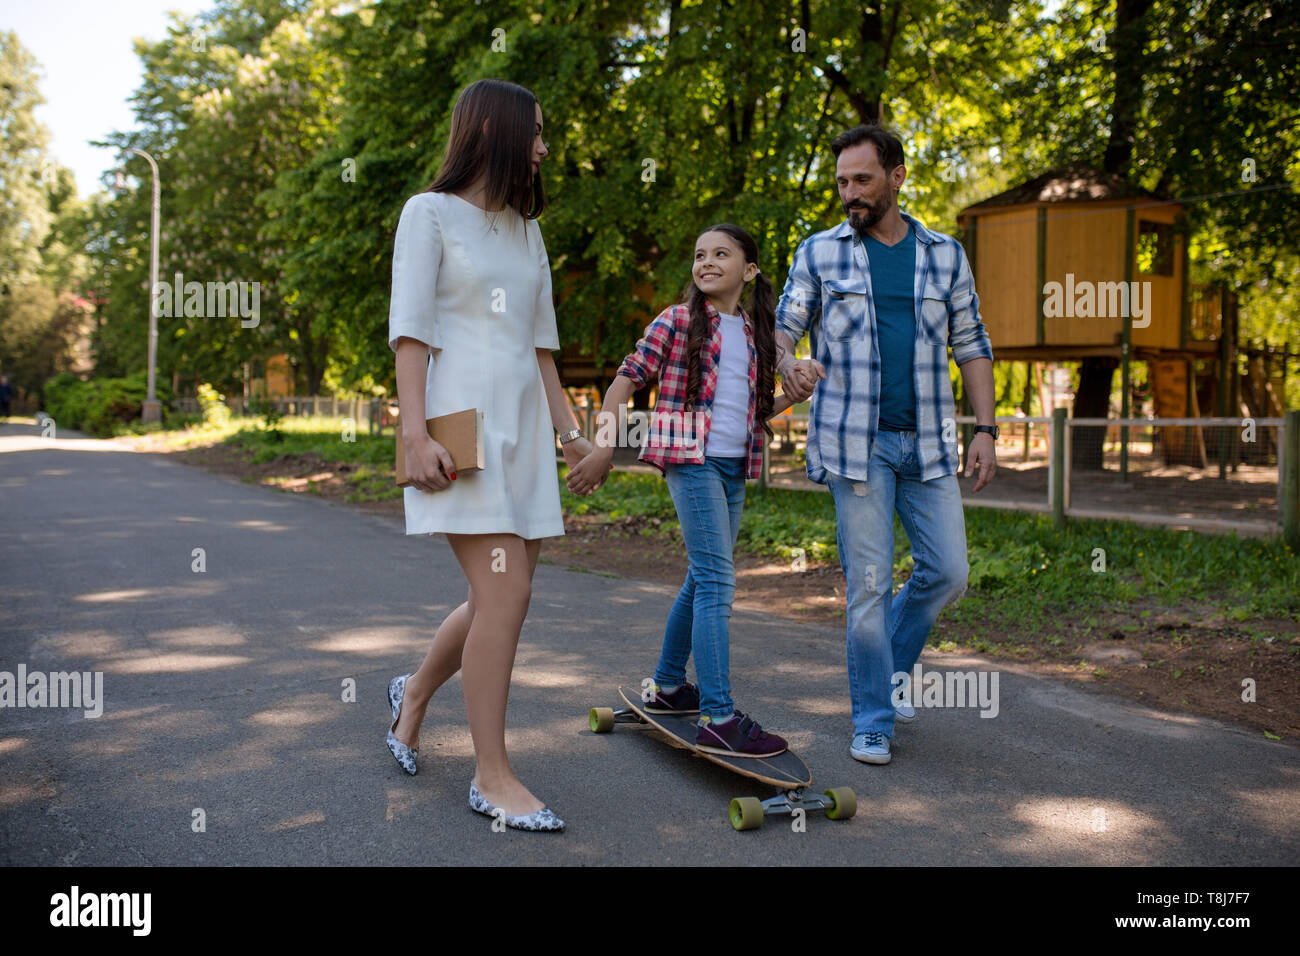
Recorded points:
461,433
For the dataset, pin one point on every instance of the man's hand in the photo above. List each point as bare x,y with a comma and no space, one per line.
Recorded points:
799,378
982,454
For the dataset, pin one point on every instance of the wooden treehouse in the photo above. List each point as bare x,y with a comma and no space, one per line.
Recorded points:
1079,266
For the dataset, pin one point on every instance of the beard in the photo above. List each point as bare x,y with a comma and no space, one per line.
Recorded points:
862,219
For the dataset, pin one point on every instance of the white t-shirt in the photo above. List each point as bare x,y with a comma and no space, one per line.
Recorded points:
729,430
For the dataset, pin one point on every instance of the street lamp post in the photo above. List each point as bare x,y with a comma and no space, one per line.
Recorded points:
152,410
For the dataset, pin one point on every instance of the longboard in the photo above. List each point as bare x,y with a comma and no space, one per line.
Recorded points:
786,770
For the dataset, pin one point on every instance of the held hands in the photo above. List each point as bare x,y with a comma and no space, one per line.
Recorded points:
575,451
982,454
589,473
428,465
799,378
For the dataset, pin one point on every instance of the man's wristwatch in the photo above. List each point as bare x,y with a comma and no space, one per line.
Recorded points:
566,437
991,429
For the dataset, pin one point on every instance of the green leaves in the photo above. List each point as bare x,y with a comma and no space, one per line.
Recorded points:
662,119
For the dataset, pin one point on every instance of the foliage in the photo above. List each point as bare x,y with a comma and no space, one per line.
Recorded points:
67,400
41,263
99,407
24,143
271,417
290,133
215,411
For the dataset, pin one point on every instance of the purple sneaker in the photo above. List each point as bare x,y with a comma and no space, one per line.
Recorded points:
738,737
684,700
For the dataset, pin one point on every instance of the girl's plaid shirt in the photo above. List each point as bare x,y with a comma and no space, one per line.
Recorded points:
677,436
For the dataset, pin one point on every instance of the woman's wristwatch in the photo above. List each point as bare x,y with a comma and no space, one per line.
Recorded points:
571,435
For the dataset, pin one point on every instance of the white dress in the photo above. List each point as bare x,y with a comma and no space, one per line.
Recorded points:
481,300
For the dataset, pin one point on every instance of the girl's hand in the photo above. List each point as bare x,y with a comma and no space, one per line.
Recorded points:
428,465
590,473
802,378
780,403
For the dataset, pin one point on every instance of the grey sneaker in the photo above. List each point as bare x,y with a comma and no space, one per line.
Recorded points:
904,712
870,747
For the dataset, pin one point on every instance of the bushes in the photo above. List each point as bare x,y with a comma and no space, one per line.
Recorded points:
215,410
67,400
99,406
271,417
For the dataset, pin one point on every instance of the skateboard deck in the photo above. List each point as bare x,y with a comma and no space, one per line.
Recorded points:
786,770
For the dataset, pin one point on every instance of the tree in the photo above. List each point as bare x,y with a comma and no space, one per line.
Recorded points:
42,314
24,167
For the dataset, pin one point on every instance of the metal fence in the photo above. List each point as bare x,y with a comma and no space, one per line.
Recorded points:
375,414
1213,474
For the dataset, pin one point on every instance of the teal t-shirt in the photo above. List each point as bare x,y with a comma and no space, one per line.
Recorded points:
893,269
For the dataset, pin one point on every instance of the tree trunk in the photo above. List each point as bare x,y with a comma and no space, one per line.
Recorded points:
1128,42
1091,401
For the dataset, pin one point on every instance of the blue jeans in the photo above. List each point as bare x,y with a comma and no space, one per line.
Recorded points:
709,499
885,636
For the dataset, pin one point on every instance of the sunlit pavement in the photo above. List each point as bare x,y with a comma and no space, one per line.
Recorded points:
229,623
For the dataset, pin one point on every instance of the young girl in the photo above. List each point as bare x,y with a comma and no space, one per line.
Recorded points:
716,365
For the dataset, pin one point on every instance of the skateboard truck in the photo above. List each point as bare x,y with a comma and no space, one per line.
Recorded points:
800,798
839,803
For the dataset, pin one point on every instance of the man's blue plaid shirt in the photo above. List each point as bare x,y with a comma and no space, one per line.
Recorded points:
828,295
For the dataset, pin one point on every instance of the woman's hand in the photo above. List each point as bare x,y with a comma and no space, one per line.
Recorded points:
428,464
590,473
575,451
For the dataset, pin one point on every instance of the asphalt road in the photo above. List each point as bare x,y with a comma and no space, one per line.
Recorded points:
223,693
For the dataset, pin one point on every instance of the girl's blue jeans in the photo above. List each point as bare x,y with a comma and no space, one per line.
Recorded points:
709,499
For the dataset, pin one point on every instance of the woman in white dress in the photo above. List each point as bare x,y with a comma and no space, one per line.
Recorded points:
472,324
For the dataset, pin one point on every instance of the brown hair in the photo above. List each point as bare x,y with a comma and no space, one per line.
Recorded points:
761,310
503,151
889,148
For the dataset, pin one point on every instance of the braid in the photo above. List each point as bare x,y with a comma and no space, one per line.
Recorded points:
763,312
698,335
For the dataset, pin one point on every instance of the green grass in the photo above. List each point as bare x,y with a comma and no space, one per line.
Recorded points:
1022,568
373,455
1027,570
319,434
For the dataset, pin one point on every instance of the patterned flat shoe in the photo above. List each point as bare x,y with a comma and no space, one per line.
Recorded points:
404,755
543,819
